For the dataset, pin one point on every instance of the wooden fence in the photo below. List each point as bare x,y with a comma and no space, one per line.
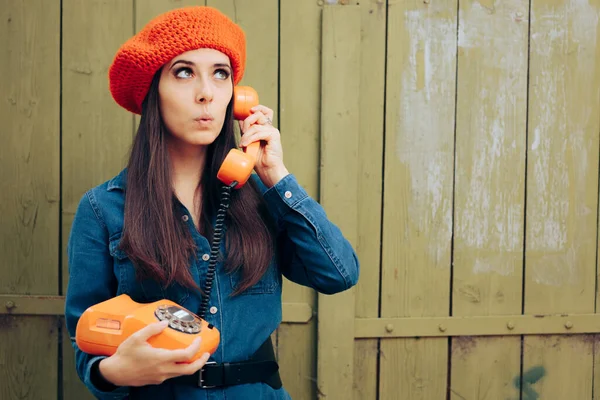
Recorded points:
456,143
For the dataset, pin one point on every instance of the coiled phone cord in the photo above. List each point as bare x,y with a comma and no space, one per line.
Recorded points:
218,234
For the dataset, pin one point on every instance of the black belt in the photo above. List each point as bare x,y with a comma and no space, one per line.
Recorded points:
261,367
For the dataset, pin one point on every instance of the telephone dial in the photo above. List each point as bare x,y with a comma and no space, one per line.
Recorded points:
104,326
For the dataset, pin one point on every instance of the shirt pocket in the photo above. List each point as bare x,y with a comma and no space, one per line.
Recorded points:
144,290
269,283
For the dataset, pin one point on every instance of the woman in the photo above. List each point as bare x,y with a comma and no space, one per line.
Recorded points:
148,231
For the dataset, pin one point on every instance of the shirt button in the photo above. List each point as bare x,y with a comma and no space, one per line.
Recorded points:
205,257
213,310
185,218
288,194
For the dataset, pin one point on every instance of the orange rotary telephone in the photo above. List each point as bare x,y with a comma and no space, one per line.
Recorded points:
104,326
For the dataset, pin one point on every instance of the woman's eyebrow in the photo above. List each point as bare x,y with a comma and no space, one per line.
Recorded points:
192,64
186,62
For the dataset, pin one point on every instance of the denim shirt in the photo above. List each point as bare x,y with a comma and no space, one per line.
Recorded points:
315,254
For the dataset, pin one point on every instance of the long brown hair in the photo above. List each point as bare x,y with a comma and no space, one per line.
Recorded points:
156,241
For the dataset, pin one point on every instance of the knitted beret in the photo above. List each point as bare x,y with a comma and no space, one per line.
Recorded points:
165,37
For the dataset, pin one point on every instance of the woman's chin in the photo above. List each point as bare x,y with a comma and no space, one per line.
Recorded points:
194,138
201,139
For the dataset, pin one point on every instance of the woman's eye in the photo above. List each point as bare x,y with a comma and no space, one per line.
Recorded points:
221,74
183,73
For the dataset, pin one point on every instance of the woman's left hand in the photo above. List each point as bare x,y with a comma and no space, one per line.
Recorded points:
258,126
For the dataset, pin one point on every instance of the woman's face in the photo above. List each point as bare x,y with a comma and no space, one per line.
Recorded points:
194,91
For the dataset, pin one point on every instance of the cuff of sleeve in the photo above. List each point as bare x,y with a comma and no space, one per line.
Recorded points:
94,381
282,197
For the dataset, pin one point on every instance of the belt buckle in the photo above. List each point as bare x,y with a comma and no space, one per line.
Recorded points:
201,376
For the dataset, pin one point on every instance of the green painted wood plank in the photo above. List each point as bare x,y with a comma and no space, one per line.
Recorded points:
417,209
29,191
562,190
339,187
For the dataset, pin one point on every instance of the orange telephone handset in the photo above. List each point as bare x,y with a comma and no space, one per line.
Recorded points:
104,326
238,165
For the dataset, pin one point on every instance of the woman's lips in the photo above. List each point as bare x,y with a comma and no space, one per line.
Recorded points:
204,120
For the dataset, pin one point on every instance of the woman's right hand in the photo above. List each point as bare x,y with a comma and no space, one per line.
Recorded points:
137,363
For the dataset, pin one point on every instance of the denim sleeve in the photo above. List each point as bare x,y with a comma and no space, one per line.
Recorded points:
91,281
313,250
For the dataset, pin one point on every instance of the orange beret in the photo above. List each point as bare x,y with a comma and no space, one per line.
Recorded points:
165,37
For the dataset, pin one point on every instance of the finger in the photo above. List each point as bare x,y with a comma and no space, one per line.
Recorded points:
263,135
265,120
264,109
246,136
266,134
188,369
266,114
252,119
150,330
186,354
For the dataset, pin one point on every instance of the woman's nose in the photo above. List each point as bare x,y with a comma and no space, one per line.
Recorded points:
205,93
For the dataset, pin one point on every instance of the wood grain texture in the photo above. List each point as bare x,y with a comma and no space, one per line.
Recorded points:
371,99
29,191
30,154
595,338
339,188
489,191
30,372
299,123
417,217
562,188
97,132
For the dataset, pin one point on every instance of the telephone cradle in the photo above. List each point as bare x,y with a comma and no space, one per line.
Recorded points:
104,326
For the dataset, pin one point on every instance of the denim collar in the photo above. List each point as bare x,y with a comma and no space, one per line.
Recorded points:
119,182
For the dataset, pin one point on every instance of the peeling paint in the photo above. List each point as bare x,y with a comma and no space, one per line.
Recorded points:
424,131
491,133
557,269
560,165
